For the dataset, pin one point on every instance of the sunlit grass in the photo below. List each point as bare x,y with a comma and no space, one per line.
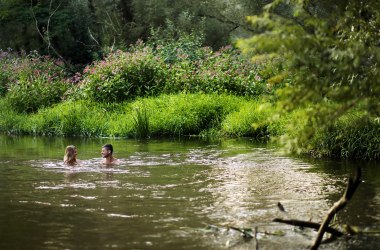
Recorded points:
355,135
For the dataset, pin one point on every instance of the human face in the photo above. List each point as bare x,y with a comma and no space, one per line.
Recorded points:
105,152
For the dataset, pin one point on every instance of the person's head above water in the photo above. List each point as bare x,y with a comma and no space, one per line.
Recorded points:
107,151
70,157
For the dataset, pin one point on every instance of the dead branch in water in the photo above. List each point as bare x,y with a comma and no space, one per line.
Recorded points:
309,224
340,204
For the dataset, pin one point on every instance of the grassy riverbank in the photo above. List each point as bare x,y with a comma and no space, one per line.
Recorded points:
166,115
140,93
217,116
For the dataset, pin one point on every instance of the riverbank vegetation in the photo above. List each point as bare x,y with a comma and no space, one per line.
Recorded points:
311,89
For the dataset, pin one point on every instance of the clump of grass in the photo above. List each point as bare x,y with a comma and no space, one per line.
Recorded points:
141,123
11,122
355,135
255,118
78,118
187,114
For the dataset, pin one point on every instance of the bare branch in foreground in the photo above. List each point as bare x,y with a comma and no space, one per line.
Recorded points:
309,224
340,204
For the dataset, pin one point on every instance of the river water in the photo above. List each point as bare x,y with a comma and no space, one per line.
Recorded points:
174,194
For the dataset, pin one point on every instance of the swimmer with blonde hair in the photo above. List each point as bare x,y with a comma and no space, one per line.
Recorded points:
70,157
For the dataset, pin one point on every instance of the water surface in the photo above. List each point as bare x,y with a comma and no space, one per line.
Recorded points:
173,194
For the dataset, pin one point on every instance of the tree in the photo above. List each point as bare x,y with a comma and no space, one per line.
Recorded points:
16,31
46,24
326,54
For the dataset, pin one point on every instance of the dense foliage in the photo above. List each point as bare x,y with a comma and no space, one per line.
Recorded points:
58,28
30,82
81,30
144,71
327,55
313,82
353,135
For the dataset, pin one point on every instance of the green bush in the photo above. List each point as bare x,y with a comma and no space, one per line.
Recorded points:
221,72
174,46
29,97
227,71
143,71
33,82
124,75
5,70
11,122
355,135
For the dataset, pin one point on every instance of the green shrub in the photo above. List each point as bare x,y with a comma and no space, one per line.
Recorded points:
5,70
174,46
143,71
124,75
354,135
11,122
29,97
221,72
33,82
227,71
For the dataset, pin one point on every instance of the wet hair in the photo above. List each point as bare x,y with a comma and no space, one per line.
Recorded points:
69,157
108,147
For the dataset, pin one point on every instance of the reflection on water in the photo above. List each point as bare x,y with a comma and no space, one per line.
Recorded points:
172,195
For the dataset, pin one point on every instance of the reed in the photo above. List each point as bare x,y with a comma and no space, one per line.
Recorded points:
141,123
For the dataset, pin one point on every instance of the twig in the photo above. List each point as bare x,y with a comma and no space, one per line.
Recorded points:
256,240
246,234
46,38
309,224
340,204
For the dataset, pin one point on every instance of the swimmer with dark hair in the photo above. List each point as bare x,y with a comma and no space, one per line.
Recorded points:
107,151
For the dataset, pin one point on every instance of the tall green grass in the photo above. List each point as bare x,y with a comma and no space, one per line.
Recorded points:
355,135
166,115
186,114
352,136
141,123
256,119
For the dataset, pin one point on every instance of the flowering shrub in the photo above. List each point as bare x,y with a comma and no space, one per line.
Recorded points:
143,71
32,81
5,58
124,75
224,71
